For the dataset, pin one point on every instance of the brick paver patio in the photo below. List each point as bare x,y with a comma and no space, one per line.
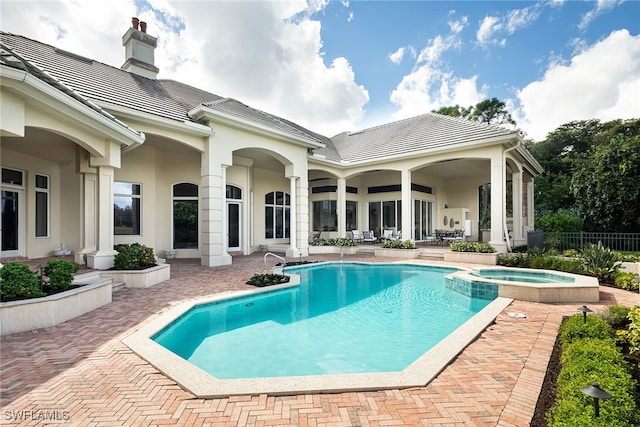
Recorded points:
79,373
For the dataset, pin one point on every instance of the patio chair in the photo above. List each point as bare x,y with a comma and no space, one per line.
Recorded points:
357,236
387,235
369,237
397,236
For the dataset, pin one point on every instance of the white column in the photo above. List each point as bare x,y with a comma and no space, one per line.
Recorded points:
212,208
498,201
516,186
102,259
530,207
225,210
88,216
293,219
407,207
303,215
341,206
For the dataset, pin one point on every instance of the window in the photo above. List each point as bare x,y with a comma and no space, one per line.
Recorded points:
352,215
324,216
385,215
126,208
423,219
276,215
42,205
185,216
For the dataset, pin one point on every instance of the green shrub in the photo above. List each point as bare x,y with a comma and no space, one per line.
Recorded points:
575,328
626,281
471,247
339,241
538,259
267,279
631,336
617,316
587,361
398,244
600,261
559,223
133,257
520,249
18,281
60,273
589,355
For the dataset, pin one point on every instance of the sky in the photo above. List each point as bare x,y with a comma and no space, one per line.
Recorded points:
335,66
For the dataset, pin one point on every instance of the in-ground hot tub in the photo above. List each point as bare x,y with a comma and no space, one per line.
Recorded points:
526,284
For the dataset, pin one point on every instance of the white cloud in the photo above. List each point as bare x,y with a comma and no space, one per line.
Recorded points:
601,7
488,27
265,54
602,82
491,27
431,85
396,57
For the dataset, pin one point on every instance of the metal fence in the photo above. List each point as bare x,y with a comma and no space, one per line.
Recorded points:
564,241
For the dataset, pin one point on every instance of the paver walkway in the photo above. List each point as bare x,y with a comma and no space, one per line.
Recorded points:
79,373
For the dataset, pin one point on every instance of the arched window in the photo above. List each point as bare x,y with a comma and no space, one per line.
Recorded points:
185,216
277,212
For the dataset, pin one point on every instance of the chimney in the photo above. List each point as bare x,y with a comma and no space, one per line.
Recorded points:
139,48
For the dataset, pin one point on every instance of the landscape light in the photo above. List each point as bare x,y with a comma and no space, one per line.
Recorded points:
594,390
584,309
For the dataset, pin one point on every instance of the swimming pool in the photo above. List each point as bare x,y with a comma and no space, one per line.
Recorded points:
344,318
424,365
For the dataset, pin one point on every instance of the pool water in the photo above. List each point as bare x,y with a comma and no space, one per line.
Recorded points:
512,275
343,318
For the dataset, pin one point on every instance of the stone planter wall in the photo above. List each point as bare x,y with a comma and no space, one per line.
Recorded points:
46,312
630,267
471,257
140,278
347,250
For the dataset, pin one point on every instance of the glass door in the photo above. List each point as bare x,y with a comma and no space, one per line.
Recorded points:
12,223
13,216
234,226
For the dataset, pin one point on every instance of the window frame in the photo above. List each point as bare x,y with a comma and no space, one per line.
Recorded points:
277,215
46,191
131,196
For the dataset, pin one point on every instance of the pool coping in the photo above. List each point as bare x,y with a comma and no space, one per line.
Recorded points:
204,385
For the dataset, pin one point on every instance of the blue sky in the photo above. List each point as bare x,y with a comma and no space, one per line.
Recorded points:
344,65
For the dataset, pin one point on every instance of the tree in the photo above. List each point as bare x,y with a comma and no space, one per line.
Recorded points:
606,186
454,111
560,153
491,111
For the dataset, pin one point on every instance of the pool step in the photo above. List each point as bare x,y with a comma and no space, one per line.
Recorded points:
431,254
369,250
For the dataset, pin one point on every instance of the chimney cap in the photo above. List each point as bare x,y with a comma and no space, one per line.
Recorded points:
134,22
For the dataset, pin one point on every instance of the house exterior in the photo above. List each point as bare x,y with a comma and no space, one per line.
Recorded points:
94,155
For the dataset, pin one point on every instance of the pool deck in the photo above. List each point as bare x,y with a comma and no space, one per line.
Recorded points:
81,373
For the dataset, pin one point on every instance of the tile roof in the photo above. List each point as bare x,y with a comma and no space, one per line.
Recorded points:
165,98
232,107
13,60
429,131
170,99
101,82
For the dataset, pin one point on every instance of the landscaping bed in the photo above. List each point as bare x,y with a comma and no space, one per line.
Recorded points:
549,391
